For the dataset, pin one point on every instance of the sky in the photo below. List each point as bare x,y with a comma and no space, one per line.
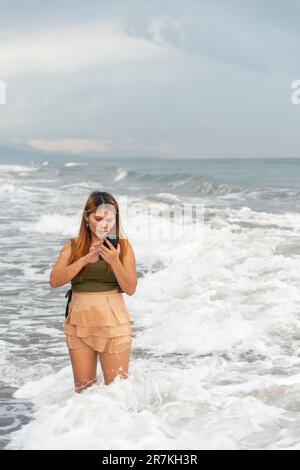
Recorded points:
180,79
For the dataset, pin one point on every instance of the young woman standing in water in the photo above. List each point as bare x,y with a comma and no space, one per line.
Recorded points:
97,321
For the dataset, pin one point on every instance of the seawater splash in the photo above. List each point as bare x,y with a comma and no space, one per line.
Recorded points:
215,360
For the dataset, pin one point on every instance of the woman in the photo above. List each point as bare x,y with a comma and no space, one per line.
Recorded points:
97,321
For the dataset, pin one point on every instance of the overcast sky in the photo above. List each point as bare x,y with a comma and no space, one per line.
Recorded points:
186,79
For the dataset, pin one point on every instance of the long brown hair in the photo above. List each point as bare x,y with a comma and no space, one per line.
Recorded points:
82,244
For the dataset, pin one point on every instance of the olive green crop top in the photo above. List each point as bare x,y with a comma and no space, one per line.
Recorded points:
95,278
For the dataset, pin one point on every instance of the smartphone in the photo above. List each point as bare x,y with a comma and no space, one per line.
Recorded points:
114,241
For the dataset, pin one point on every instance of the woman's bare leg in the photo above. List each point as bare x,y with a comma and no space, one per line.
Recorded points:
114,364
84,365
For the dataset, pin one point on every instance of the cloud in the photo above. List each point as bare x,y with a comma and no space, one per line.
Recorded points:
199,79
77,146
224,35
72,48
71,145
165,31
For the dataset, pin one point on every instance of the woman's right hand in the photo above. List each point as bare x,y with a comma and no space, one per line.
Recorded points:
93,255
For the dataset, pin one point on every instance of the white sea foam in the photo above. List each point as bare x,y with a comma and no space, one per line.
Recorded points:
17,168
76,164
121,175
159,408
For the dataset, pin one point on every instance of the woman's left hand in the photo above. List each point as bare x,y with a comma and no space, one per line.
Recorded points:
111,254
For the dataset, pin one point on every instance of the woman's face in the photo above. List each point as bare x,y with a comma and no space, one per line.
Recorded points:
103,221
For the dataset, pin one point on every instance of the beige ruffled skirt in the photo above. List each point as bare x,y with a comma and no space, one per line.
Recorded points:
98,320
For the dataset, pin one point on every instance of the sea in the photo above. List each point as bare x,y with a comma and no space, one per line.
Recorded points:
215,361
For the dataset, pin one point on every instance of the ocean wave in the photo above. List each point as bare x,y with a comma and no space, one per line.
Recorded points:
70,164
17,168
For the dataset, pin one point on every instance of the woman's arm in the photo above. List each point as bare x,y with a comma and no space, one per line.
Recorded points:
62,272
125,271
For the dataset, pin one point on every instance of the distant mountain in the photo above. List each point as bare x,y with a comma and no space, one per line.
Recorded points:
15,153
18,153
